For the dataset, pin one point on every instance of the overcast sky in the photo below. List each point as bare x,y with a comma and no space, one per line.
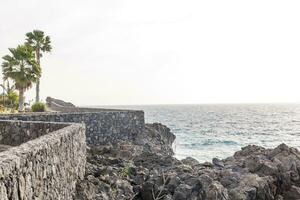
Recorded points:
162,51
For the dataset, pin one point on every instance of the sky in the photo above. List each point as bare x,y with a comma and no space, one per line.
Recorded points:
120,52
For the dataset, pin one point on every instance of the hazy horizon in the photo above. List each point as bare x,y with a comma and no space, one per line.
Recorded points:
162,52
192,104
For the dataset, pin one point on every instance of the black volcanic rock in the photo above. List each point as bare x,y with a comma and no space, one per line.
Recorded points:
145,169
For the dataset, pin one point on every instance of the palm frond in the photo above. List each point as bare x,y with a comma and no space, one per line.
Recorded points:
38,41
21,67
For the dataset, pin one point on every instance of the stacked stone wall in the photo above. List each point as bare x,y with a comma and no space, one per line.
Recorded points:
102,126
14,133
47,166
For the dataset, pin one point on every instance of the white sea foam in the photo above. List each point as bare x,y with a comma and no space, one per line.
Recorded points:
207,131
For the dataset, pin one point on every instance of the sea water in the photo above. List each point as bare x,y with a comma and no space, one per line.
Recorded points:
208,131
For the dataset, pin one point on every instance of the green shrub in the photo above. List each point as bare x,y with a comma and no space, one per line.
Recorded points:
13,99
10,100
38,107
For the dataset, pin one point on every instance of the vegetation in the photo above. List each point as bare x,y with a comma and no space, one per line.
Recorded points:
21,67
38,107
125,171
9,96
40,43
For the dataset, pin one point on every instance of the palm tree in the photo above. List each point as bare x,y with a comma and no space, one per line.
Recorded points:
40,43
22,68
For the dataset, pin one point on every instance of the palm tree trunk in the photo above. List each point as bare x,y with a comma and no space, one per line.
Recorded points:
21,100
37,86
3,94
37,91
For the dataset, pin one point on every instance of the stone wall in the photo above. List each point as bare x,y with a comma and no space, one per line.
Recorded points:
46,153
102,126
46,167
14,133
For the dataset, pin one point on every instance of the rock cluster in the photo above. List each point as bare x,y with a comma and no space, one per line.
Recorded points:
146,170
52,102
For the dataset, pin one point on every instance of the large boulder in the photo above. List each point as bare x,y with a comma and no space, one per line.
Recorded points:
58,105
156,138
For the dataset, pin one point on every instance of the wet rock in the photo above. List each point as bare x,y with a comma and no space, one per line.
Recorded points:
217,162
190,161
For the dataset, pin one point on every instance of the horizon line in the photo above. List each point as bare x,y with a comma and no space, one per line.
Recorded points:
183,104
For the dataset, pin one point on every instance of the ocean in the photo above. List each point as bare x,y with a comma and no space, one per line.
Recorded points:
208,131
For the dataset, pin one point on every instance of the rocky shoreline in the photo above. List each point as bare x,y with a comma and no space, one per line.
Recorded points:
145,169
